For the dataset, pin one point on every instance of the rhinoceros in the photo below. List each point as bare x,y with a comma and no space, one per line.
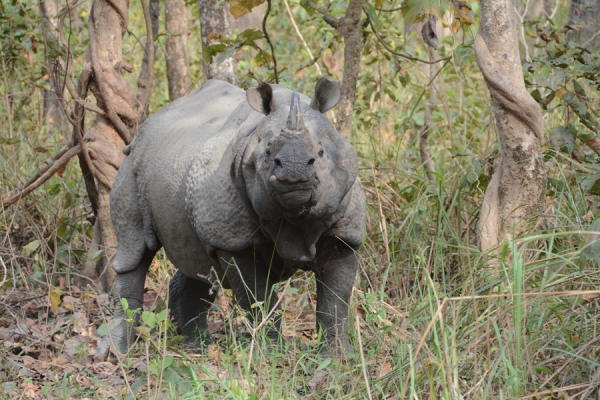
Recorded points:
241,189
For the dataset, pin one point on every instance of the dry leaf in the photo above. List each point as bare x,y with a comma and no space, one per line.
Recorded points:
238,8
54,296
464,13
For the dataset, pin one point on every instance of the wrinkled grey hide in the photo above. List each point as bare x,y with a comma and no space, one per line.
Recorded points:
246,187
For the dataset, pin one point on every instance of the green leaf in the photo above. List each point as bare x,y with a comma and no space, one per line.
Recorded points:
107,326
309,10
416,10
373,15
559,185
31,247
97,255
592,244
9,140
562,140
149,319
591,184
324,364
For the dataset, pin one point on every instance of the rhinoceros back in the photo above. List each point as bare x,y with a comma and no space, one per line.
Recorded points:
196,129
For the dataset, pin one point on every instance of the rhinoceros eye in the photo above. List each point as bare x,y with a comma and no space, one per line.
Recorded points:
321,152
268,152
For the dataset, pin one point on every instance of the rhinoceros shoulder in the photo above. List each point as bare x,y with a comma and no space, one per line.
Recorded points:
213,203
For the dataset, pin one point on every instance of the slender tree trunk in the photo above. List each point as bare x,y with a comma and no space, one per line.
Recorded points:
214,27
54,117
349,26
429,32
110,132
143,79
176,54
350,29
515,196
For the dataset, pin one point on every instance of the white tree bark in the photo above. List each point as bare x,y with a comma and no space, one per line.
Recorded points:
515,195
214,26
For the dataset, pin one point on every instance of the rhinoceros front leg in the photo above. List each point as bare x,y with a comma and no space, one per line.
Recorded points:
250,282
129,286
189,301
335,276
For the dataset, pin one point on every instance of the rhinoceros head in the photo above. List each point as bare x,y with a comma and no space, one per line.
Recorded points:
295,165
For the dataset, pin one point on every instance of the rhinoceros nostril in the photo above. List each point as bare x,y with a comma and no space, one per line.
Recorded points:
311,161
277,161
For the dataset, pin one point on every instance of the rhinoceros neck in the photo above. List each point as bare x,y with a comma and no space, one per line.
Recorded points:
295,242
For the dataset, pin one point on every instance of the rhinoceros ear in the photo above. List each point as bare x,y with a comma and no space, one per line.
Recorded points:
327,94
261,98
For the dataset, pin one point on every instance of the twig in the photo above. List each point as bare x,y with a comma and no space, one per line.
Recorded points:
427,121
362,358
324,11
555,391
264,29
88,170
5,278
310,54
73,151
164,351
403,55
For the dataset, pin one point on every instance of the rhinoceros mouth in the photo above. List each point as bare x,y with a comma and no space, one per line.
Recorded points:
293,195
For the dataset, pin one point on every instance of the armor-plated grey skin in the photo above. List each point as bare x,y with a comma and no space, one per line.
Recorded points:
243,187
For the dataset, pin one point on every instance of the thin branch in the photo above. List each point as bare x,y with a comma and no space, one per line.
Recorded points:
45,168
287,7
324,11
264,29
62,161
403,55
88,169
427,122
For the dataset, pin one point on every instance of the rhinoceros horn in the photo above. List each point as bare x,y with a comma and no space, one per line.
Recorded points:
295,122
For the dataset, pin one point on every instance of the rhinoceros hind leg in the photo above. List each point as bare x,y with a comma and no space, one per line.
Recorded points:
189,301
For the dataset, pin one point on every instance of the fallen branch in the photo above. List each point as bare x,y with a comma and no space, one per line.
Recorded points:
42,177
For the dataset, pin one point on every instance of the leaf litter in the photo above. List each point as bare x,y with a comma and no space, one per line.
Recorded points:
48,339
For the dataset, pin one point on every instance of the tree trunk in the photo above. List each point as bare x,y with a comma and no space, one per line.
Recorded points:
214,27
54,117
108,134
176,53
350,29
586,14
515,195
349,26
143,79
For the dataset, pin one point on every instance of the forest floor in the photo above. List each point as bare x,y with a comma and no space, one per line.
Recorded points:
49,340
